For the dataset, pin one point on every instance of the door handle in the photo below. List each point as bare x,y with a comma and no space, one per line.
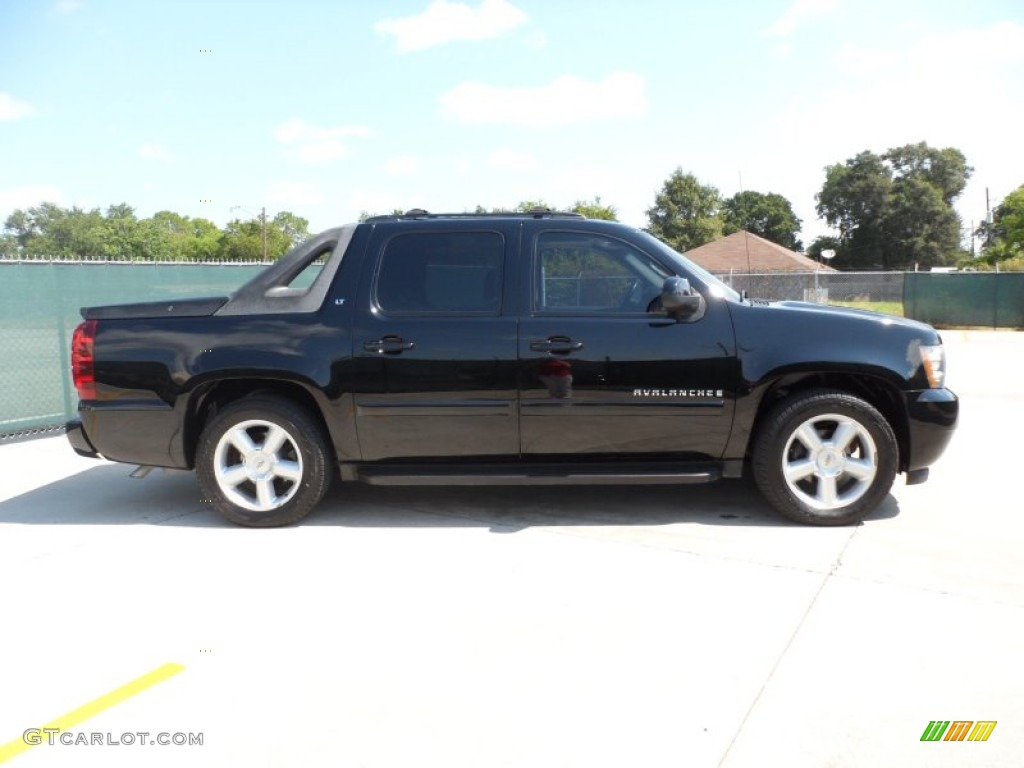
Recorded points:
389,345
556,345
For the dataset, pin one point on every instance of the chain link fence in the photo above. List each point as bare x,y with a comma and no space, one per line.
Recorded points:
39,303
856,288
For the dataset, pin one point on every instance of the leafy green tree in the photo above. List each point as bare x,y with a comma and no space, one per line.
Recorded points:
768,215
686,213
528,205
895,210
595,209
919,225
824,243
22,226
243,240
34,228
189,239
1004,237
122,226
83,234
945,169
9,248
203,242
50,230
294,228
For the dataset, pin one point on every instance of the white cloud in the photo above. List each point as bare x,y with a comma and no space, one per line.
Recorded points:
403,165
312,144
443,22
511,160
29,196
12,109
294,193
155,152
568,99
796,15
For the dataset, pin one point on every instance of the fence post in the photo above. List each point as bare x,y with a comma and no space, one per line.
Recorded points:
63,353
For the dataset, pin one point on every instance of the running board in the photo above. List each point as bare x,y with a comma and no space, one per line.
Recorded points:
536,474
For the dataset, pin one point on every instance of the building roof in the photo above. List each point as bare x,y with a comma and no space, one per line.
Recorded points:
746,252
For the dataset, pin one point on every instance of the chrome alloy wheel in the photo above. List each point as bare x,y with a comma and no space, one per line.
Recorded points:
830,461
257,465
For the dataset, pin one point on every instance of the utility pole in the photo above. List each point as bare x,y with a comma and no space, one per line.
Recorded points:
988,220
263,225
263,221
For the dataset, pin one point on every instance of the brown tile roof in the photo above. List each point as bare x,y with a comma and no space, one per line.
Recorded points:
745,252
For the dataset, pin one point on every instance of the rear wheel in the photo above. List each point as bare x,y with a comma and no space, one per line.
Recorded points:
263,462
825,458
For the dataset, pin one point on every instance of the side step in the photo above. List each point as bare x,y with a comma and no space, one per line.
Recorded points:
534,474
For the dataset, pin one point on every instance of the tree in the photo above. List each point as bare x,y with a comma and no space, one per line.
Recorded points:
525,206
594,209
945,169
22,227
203,242
768,215
33,229
686,213
919,225
243,240
1004,237
824,243
122,225
895,210
9,247
294,228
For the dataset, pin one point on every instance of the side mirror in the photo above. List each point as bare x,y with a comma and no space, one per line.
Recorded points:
678,298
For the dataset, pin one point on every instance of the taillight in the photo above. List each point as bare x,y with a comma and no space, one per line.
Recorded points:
82,364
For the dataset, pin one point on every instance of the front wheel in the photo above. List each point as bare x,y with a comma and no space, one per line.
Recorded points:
825,458
263,462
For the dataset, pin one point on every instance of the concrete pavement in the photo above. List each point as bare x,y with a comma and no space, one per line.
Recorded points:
528,626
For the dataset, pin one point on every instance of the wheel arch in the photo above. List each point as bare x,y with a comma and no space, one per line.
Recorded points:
206,401
883,395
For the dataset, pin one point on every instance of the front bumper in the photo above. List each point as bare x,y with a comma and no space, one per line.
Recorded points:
79,441
932,418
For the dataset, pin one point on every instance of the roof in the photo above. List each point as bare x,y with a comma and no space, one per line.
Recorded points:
746,252
419,214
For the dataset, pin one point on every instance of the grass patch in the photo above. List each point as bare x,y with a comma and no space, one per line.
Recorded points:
886,307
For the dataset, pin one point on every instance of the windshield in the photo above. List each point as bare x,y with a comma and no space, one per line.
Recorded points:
716,286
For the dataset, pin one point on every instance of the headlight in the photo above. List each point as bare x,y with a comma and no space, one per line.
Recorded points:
934,361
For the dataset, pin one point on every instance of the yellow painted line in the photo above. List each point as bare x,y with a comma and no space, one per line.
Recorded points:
106,701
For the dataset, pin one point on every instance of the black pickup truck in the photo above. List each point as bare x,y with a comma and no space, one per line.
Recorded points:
536,348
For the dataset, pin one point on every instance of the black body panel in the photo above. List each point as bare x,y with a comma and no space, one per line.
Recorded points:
398,377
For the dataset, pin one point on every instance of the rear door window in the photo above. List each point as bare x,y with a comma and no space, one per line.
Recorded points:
441,273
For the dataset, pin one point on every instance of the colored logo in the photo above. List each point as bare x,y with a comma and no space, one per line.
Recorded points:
958,730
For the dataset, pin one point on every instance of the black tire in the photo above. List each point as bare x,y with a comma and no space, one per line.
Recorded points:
263,488
840,481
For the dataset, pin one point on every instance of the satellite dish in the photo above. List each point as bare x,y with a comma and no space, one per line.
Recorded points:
828,254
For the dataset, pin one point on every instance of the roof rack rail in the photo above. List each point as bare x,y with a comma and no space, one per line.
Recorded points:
420,213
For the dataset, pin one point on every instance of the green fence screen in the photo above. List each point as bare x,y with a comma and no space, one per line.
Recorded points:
39,303
972,299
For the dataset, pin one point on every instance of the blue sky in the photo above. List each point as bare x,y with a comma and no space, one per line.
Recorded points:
327,108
